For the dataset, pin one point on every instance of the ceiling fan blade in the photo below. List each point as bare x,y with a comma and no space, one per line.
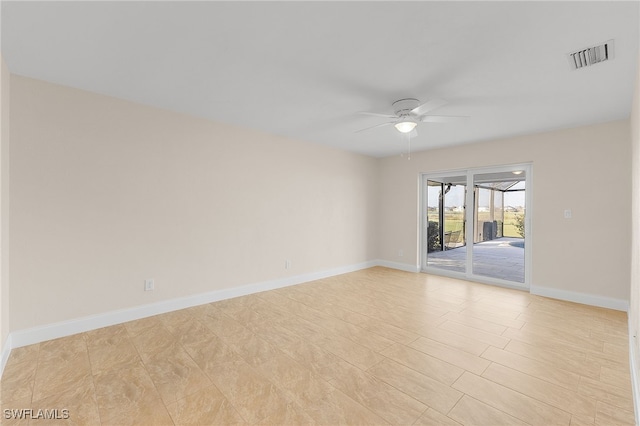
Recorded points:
373,127
375,114
428,106
442,118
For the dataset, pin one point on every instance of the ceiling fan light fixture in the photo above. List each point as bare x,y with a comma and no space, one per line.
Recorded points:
406,126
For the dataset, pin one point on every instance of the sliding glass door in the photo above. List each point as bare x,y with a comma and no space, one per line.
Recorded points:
445,222
499,245
474,224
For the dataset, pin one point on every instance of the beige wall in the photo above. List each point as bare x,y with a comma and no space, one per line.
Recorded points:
634,306
587,170
4,202
106,193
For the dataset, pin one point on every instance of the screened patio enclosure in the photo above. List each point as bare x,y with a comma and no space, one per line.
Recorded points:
497,221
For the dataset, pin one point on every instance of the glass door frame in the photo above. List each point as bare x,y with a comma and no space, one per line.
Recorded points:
442,178
470,228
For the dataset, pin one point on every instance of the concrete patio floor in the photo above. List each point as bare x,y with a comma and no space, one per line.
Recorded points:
501,258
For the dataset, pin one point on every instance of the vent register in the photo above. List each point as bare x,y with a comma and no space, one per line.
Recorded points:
591,55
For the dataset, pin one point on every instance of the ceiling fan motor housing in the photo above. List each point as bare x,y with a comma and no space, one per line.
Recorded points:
403,107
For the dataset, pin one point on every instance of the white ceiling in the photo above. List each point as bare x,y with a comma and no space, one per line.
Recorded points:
304,69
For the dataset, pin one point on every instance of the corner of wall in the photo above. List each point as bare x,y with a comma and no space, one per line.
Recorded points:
4,212
634,285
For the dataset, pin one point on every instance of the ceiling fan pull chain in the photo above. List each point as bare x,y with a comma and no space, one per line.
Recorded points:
407,136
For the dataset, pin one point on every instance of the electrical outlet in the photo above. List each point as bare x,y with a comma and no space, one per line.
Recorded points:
400,253
149,285
287,264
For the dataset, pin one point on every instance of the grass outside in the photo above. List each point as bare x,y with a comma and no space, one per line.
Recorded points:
453,221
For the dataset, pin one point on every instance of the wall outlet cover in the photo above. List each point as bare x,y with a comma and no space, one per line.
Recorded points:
149,285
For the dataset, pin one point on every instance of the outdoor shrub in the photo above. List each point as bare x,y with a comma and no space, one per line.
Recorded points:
433,240
519,218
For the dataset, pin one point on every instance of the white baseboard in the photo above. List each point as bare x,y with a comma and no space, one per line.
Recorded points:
633,367
43,333
46,332
6,351
396,265
584,298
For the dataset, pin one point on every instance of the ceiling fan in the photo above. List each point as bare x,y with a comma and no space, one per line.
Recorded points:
409,112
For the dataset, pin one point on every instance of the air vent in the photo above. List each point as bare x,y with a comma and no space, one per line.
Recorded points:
591,55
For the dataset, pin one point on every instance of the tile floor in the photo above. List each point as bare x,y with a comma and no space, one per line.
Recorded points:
372,347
